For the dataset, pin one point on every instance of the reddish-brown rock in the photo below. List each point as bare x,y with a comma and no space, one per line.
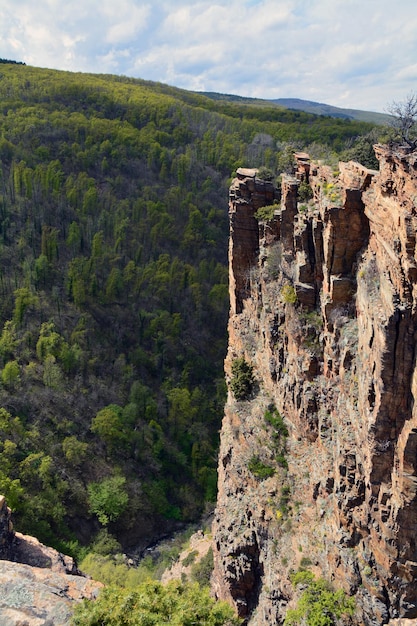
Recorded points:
324,307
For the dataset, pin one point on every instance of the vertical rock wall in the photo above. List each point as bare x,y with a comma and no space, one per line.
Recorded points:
323,306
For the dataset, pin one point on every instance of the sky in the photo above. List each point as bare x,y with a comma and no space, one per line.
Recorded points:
359,54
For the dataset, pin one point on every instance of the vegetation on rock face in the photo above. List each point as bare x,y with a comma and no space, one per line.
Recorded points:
242,380
202,570
319,604
259,469
264,173
305,193
266,212
288,294
278,436
114,297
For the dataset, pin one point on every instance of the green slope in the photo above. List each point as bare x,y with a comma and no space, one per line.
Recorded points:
114,296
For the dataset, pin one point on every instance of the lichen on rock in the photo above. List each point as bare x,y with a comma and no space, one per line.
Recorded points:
38,585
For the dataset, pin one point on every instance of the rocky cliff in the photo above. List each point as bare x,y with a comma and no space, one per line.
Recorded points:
38,585
318,459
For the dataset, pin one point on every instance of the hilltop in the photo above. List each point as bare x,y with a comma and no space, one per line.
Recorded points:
308,106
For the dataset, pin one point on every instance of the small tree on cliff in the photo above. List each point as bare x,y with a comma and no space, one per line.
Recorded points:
404,119
242,380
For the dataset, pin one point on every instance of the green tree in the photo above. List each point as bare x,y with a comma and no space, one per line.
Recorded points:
181,410
305,193
8,339
24,299
74,450
52,374
10,374
114,285
74,237
42,270
49,243
242,380
49,342
108,499
108,425
362,149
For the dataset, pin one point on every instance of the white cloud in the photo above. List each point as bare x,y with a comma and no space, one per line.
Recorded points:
352,53
125,20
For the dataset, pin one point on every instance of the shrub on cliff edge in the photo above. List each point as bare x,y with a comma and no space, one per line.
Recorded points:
242,380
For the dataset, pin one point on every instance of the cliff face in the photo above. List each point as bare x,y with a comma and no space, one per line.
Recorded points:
323,306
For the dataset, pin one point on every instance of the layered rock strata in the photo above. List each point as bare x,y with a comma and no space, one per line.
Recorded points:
323,307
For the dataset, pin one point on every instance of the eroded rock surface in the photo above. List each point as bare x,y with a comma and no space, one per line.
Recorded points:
323,306
38,585
34,596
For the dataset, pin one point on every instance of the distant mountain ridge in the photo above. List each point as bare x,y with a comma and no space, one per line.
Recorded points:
308,106
320,108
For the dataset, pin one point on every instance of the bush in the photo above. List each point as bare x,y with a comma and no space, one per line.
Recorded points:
264,173
284,500
242,380
201,571
319,604
260,469
278,436
190,558
266,212
281,460
151,602
112,570
305,193
105,544
273,417
288,294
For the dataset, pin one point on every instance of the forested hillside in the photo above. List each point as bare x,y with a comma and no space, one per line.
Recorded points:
113,293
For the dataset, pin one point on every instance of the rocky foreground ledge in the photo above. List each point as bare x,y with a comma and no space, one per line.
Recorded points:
38,585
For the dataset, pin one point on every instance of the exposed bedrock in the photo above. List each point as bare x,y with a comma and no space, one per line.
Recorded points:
38,585
323,306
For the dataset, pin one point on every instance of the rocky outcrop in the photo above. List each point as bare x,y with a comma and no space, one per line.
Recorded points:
38,585
198,547
247,194
35,596
323,306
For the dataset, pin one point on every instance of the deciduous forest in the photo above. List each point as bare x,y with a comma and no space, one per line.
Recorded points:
114,295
